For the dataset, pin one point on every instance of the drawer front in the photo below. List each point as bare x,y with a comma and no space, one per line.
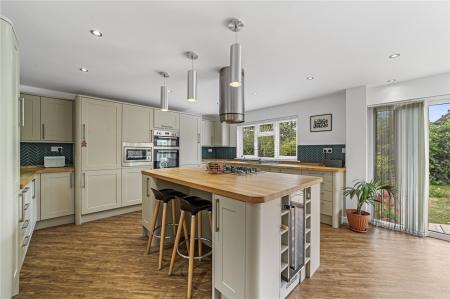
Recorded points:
326,208
326,196
326,185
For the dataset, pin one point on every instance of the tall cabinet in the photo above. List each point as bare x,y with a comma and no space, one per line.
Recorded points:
190,139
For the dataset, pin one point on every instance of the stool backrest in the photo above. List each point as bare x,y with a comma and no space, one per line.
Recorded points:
158,195
184,204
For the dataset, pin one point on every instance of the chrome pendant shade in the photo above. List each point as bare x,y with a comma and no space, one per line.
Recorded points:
235,25
192,78
231,99
164,93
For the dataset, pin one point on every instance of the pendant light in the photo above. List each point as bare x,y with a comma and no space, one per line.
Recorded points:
164,92
192,78
235,25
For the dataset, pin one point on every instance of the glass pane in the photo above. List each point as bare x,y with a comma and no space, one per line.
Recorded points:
266,146
266,128
288,138
248,141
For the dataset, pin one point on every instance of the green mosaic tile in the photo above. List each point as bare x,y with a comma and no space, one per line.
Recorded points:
218,152
34,153
314,153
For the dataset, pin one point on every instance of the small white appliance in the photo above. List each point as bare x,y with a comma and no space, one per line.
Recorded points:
54,161
137,154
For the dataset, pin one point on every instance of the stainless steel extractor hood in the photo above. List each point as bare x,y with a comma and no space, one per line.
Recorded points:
231,99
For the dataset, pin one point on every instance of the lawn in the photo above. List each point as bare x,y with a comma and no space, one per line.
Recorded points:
439,204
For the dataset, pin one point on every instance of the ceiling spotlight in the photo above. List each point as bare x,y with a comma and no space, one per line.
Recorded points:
309,78
391,81
395,55
84,70
96,32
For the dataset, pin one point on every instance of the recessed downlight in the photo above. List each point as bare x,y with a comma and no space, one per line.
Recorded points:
84,70
310,78
391,80
395,55
96,32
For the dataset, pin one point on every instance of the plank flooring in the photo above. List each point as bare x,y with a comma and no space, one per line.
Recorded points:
105,259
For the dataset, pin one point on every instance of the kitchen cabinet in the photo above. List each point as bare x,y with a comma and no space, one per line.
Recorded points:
56,120
167,120
27,220
190,133
137,124
131,186
100,190
207,132
31,123
100,134
232,135
215,133
229,247
36,182
57,195
46,119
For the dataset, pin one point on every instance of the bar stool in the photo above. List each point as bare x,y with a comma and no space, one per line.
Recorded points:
193,205
163,196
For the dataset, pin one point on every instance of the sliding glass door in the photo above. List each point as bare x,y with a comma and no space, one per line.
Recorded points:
439,170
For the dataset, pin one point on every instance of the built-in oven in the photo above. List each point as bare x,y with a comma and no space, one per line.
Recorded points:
165,139
167,157
137,154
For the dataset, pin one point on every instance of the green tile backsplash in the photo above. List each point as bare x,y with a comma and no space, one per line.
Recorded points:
34,153
314,153
218,152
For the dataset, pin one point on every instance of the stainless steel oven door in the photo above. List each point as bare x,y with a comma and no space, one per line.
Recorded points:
166,158
137,154
163,141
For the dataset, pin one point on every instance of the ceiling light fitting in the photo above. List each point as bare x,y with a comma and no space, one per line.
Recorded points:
391,80
192,78
83,69
96,33
395,55
164,92
310,78
235,25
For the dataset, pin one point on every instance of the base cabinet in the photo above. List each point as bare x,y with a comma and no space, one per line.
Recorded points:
131,186
101,190
57,198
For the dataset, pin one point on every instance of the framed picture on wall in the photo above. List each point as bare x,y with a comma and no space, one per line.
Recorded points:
320,123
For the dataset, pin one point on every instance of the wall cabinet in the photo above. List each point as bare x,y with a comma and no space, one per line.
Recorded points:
207,133
167,120
47,119
215,133
233,135
100,134
190,135
57,195
101,190
137,124
131,186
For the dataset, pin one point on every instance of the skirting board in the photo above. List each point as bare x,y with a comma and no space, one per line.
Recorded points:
54,222
110,213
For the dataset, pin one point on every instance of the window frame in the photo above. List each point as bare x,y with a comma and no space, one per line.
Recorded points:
275,132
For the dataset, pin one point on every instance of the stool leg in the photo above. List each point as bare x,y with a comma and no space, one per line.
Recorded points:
199,224
186,236
173,216
177,242
152,226
191,257
163,234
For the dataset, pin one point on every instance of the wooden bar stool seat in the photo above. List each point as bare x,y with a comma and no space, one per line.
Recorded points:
163,196
193,205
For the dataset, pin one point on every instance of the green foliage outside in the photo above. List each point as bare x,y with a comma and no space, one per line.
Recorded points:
248,141
440,153
439,204
266,146
288,138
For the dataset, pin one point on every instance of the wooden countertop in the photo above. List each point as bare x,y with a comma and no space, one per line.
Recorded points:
284,165
253,188
28,172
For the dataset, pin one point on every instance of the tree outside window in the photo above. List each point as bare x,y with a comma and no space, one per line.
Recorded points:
248,148
288,138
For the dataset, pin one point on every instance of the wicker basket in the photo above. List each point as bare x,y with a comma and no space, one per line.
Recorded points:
214,167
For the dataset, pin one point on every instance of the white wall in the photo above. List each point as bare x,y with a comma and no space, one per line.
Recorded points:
431,86
333,103
46,92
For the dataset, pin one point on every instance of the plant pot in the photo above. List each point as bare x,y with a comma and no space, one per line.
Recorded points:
358,222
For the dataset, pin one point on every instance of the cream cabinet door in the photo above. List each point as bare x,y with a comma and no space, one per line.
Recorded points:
232,135
207,133
56,120
101,134
190,132
148,201
100,190
57,195
229,247
36,195
131,186
167,119
31,127
137,123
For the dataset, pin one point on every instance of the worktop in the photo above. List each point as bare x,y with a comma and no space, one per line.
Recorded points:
28,172
253,188
282,165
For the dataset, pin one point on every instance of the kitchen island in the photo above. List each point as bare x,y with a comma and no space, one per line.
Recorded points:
252,227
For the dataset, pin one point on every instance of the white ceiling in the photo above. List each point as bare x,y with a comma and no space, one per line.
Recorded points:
342,44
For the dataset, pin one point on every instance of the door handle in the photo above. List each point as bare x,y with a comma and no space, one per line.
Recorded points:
34,189
27,205
21,207
25,224
84,180
22,108
70,179
216,216
43,131
148,182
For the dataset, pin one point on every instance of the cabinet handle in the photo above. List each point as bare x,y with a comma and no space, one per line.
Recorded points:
83,132
27,205
25,241
198,137
151,136
148,182
43,131
216,216
21,207
84,180
22,108
34,189
25,224
71,177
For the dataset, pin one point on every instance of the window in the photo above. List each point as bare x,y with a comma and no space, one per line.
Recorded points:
269,140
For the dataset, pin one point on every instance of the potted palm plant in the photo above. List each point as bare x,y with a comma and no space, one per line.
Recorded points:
365,193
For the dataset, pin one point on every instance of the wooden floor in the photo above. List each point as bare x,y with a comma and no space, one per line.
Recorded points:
105,259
